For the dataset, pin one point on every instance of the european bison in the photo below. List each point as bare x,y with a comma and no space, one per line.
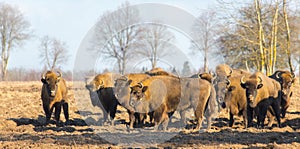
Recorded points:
200,95
122,92
235,100
103,84
261,92
286,79
160,94
221,82
54,95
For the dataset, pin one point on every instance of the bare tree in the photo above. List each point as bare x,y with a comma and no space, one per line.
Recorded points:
116,35
204,33
259,31
155,43
14,29
53,52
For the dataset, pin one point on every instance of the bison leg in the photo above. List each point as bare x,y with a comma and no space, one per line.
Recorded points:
231,120
65,106
183,117
208,119
112,114
276,108
283,112
131,118
158,116
261,116
47,112
57,112
245,118
165,120
249,116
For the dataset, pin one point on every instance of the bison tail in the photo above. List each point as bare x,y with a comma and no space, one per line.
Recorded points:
212,107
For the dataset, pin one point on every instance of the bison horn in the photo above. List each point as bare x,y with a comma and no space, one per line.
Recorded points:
140,85
228,82
242,80
277,74
199,75
230,72
59,74
44,75
260,80
293,75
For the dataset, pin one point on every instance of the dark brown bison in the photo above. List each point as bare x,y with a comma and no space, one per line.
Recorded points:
235,100
122,92
103,84
54,95
221,81
160,94
261,92
286,79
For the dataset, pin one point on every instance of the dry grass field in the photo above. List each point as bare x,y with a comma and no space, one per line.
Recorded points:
22,116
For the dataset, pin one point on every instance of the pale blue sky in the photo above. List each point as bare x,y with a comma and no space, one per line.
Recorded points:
70,20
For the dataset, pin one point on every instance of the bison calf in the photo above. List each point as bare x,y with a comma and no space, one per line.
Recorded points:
54,95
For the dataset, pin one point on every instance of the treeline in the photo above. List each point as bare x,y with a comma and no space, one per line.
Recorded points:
22,74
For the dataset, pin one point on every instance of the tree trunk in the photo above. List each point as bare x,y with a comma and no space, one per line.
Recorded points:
288,36
4,69
260,37
205,61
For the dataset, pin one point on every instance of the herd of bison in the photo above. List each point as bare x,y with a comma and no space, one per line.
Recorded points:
227,108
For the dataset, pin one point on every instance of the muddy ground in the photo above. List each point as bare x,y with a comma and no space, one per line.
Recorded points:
22,119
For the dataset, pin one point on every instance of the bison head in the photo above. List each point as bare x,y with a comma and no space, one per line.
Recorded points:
137,93
221,87
51,80
122,89
286,80
228,96
251,86
207,76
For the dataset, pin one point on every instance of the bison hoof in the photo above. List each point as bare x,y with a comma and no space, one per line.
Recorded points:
68,123
59,124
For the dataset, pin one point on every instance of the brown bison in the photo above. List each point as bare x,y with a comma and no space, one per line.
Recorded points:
54,95
198,94
103,84
235,100
221,81
122,93
160,94
261,92
286,79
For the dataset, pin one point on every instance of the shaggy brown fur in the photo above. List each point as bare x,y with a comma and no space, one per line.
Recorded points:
54,95
261,92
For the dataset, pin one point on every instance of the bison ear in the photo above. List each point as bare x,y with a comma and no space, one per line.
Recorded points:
144,88
44,81
231,88
259,86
